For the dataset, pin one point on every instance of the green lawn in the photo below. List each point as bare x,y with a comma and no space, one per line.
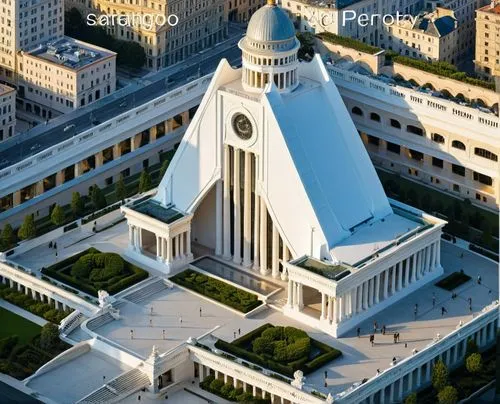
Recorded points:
12,324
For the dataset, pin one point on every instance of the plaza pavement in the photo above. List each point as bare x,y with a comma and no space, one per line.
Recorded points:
73,380
359,360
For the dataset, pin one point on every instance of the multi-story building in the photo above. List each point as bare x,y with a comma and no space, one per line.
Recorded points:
24,25
341,19
241,10
431,36
64,75
200,24
487,58
409,131
7,112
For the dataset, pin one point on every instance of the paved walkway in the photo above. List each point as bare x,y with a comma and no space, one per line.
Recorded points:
23,313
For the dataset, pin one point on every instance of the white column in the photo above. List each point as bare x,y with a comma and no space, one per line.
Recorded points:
188,242
410,381
438,259
218,218
414,269
237,207
169,254
227,203
419,376
275,252
139,238
371,291
300,296
263,237
323,306
256,232
181,245
360,298
393,280
365,294
339,301
247,211
434,255
386,283
354,300
377,288
158,247
286,257
331,317
131,236
400,275
427,259
290,294
407,272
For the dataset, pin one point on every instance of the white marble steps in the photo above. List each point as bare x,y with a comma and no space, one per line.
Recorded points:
97,322
146,291
122,386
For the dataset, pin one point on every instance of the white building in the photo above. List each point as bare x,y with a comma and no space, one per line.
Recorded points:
310,207
7,112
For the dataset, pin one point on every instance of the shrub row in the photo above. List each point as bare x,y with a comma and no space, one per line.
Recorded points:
228,392
22,300
215,289
348,42
482,251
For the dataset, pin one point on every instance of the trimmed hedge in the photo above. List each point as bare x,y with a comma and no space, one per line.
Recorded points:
228,392
300,360
348,42
107,271
44,310
483,251
453,280
222,292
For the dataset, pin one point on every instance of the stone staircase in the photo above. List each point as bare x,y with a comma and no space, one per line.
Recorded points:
148,290
118,388
99,321
71,322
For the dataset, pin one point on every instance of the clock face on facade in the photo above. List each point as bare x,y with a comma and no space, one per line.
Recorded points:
242,126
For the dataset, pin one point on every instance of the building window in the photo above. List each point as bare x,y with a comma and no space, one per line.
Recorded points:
125,173
357,111
458,170
375,117
436,137
456,188
393,148
478,196
373,140
395,124
416,155
437,162
483,179
108,180
485,153
415,130
457,144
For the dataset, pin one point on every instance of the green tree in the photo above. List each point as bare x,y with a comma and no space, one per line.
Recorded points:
77,204
163,168
471,347
144,182
28,228
120,190
98,198
474,363
306,50
57,215
448,395
49,336
7,236
411,399
439,375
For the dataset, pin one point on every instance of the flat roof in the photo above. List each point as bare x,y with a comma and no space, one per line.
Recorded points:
375,237
154,209
330,271
70,53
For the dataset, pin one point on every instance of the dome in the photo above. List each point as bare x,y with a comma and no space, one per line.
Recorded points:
270,23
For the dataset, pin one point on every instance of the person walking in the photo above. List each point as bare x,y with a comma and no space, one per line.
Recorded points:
131,334
372,339
358,331
443,311
163,334
433,299
395,338
200,311
479,279
375,327
180,320
383,329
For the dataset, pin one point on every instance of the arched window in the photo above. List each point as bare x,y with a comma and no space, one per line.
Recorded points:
457,144
485,153
415,130
395,124
436,137
357,111
375,117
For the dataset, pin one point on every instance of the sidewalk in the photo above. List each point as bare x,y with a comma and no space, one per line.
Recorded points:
23,313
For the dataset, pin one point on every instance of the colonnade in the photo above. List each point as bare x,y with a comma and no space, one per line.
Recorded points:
205,371
421,374
243,226
168,249
34,294
371,289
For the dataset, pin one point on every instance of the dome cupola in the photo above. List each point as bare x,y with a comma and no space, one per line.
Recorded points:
269,50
